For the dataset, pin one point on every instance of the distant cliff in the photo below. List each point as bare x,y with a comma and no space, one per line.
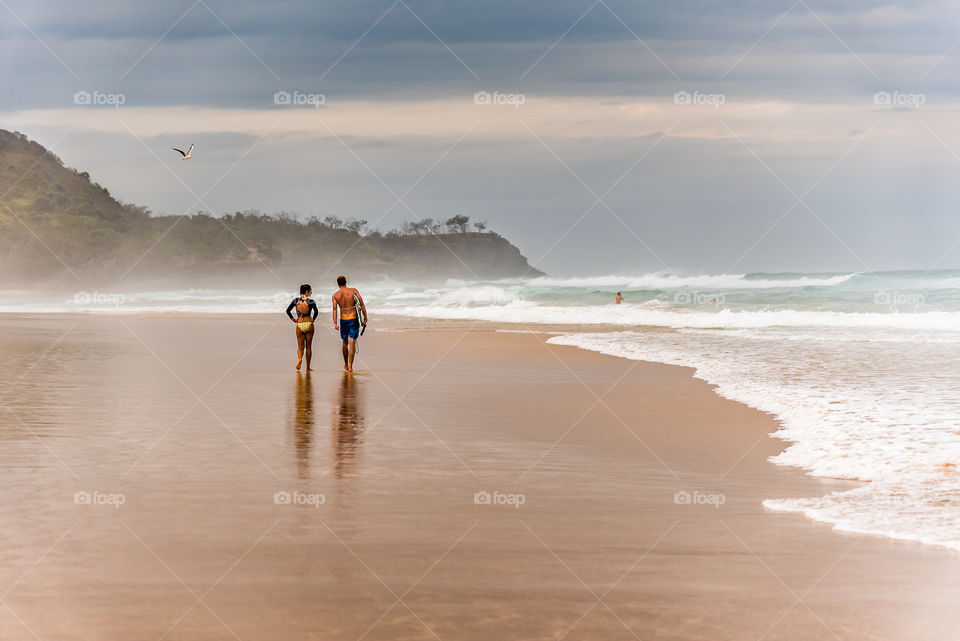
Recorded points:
57,226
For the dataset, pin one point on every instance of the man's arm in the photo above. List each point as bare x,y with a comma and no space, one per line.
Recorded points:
335,325
363,306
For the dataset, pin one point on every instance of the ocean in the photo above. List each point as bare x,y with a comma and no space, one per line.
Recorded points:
861,369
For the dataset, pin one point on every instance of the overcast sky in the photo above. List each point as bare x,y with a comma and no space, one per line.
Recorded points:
619,136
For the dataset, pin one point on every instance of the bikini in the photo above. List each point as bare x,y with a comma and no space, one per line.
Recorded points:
303,326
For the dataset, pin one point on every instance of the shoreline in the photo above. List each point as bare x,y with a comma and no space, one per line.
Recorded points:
599,447
401,324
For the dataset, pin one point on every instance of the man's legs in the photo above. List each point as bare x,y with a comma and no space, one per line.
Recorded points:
353,352
346,363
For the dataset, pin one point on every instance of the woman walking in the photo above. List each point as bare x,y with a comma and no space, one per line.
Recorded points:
307,312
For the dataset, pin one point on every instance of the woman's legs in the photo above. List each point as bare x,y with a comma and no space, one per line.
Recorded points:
300,341
308,344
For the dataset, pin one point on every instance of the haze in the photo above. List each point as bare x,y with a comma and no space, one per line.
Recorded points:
599,137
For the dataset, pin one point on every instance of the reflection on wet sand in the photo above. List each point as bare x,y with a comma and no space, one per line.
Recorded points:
347,426
303,424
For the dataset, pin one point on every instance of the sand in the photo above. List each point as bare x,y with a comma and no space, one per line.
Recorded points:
188,431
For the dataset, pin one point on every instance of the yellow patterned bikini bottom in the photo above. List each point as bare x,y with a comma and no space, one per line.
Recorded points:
305,326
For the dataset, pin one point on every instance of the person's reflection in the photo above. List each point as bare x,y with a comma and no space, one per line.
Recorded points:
303,424
347,426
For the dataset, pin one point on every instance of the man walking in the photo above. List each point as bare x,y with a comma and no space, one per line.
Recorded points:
347,299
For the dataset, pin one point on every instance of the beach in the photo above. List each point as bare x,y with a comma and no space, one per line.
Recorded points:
172,476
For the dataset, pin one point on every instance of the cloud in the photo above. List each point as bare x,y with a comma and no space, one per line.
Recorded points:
229,53
797,82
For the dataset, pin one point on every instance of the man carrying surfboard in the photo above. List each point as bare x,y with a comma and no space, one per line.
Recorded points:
353,319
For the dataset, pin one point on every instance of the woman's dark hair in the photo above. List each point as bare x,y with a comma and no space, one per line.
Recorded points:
304,289
341,280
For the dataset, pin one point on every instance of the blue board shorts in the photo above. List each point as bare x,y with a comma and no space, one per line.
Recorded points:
349,328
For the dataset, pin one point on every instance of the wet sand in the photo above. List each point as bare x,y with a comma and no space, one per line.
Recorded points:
190,434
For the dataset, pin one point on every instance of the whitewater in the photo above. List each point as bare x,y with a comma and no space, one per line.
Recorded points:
860,369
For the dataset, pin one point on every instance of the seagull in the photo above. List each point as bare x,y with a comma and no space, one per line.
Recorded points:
186,155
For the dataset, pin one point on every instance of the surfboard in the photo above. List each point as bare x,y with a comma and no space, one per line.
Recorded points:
360,315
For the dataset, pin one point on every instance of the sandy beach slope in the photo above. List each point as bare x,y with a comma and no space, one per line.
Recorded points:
174,478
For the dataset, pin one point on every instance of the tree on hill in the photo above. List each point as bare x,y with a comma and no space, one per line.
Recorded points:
458,224
355,225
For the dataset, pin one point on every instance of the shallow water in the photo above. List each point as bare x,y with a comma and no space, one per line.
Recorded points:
174,478
860,368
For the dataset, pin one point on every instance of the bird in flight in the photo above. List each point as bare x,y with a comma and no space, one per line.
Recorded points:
185,154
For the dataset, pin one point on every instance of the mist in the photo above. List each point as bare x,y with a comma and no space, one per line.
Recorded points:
615,138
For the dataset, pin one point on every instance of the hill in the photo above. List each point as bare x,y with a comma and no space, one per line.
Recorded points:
56,226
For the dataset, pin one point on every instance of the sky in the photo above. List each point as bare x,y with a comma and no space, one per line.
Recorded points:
600,136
